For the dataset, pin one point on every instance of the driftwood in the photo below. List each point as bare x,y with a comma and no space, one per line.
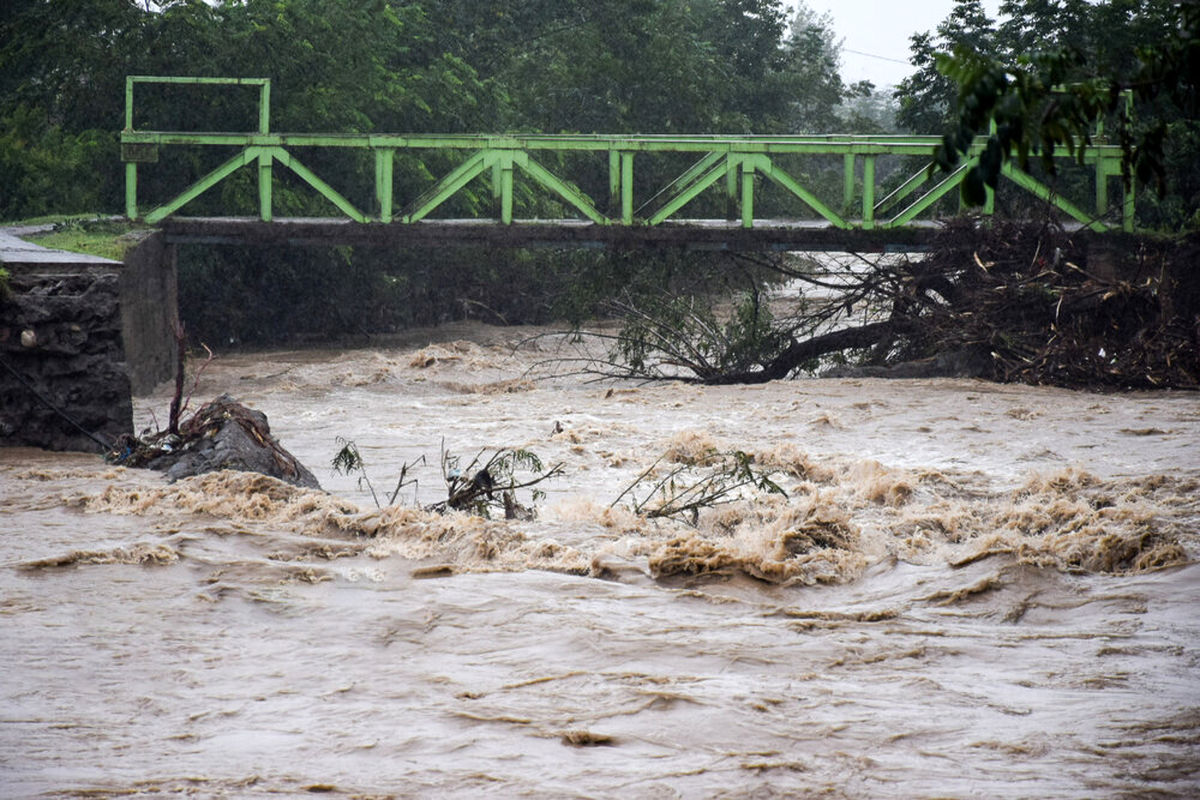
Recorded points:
801,351
483,487
1122,312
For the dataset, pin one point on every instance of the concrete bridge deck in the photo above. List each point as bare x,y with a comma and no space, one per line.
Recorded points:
765,236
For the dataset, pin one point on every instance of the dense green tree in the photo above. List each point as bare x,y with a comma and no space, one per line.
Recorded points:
1053,70
870,111
813,68
60,65
627,65
350,66
927,96
373,65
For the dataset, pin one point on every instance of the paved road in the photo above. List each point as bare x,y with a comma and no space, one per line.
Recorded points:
15,251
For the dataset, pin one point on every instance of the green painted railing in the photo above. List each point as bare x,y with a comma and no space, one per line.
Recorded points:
732,163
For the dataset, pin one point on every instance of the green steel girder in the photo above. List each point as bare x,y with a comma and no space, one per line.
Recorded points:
447,187
690,184
904,189
737,159
767,167
203,185
323,188
1036,187
502,163
567,191
932,196
263,84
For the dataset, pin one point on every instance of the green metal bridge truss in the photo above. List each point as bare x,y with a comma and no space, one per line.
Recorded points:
731,163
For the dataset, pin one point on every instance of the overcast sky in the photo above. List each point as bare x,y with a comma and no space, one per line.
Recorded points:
881,30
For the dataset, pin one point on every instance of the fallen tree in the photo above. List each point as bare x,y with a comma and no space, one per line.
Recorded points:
1005,301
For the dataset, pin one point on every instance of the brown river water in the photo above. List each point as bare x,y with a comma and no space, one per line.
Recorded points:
970,590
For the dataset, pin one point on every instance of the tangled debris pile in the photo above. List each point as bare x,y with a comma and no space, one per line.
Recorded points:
1049,307
222,434
998,299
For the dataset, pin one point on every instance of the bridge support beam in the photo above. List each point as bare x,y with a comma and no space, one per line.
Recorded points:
384,161
627,188
868,199
504,166
614,181
733,206
747,193
848,182
620,185
131,178
264,185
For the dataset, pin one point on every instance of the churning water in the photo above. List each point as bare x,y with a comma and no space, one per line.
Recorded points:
969,590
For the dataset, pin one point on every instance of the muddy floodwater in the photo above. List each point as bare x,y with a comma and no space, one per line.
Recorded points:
968,590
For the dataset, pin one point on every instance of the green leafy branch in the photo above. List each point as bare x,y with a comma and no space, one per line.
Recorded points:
485,486
680,495
348,460
1028,106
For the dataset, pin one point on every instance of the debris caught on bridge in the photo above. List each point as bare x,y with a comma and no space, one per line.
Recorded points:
999,300
222,434
1047,308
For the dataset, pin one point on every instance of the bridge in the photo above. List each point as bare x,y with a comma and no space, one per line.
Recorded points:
773,191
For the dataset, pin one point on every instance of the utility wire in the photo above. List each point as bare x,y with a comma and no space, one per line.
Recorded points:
52,407
872,55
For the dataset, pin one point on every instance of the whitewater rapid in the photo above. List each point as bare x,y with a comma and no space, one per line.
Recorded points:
968,590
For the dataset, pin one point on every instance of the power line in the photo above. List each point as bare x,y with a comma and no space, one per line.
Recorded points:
54,408
872,55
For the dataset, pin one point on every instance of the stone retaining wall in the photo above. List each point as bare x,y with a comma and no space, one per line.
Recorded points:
81,334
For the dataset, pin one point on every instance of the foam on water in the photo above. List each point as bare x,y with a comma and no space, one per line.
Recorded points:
966,589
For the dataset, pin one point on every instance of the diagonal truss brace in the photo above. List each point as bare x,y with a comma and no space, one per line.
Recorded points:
763,164
204,184
738,168
502,163
309,177
1039,189
264,157
932,196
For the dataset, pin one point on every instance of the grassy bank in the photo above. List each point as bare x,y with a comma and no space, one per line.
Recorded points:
96,235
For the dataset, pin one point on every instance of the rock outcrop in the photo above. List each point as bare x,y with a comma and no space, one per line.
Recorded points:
223,434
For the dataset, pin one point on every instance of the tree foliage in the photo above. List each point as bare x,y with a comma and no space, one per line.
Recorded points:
1039,82
448,66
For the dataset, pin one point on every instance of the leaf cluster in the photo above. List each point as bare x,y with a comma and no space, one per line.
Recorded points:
486,485
684,490
348,460
481,486
1054,75
666,332
429,65
700,337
